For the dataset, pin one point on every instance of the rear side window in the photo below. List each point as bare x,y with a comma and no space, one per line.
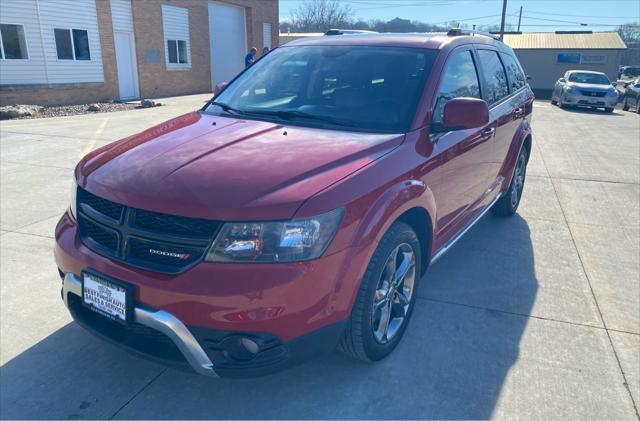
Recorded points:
495,76
516,76
460,80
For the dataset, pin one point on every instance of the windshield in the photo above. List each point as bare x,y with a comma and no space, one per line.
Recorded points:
632,71
592,78
369,89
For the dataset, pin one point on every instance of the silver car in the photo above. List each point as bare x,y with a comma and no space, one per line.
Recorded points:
585,89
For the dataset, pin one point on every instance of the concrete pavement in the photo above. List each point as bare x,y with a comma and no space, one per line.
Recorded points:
536,316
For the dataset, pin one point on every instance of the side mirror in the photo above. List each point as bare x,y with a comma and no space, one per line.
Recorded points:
465,113
563,80
614,84
219,88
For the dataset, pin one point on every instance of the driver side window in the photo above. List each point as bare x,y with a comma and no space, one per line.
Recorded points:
460,79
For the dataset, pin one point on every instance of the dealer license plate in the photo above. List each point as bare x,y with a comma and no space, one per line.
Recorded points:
105,297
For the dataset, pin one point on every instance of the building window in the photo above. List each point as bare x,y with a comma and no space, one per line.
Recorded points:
72,44
177,50
13,44
175,25
266,35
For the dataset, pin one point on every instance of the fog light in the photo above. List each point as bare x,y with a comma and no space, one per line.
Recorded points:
240,348
250,345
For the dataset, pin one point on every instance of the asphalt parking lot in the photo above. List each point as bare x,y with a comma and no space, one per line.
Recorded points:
536,316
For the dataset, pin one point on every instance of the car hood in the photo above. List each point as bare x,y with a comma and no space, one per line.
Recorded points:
216,167
591,86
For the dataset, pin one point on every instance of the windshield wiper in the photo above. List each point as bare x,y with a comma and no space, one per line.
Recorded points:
289,114
227,107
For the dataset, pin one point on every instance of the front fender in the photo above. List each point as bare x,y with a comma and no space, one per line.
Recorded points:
388,207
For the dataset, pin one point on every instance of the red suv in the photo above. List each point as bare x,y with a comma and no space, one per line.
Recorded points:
300,207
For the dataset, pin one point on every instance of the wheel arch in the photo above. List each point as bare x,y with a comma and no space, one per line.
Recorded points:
419,220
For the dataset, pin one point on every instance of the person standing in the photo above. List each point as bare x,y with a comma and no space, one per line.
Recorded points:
250,58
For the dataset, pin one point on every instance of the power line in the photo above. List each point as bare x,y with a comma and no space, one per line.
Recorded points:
578,16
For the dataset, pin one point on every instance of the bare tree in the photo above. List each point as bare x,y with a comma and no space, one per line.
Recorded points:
629,32
321,15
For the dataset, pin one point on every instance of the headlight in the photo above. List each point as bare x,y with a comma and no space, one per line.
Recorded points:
570,90
73,202
286,241
612,93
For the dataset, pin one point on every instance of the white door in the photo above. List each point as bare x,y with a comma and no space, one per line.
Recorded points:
227,35
126,62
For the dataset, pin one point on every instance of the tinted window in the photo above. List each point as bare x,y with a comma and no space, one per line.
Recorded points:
593,78
81,44
339,87
63,44
495,76
172,50
13,42
460,79
517,78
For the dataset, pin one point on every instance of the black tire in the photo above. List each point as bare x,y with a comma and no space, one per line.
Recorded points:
554,102
359,340
608,110
625,104
507,205
637,105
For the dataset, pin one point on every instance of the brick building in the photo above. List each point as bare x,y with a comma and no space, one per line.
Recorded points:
76,51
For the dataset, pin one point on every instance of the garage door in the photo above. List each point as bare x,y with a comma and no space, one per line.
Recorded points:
227,34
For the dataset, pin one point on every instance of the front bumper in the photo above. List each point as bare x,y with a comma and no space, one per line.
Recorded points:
292,311
590,101
159,320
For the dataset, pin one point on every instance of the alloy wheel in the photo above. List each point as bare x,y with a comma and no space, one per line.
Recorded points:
393,294
518,180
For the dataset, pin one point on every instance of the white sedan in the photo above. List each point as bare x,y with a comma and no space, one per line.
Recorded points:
585,88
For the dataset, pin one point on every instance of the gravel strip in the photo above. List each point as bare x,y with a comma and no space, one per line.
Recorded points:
63,110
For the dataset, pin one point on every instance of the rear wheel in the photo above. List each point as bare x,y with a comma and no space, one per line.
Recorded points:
386,296
507,205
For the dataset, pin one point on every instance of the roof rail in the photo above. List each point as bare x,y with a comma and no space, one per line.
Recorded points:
348,32
456,32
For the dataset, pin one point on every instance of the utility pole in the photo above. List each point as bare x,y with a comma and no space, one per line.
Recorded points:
519,18
504,12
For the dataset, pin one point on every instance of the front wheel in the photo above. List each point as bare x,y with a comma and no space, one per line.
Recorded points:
625,104
608,110
561,102
507,205
386,297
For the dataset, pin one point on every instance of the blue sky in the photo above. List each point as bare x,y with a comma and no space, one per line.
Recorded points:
537,15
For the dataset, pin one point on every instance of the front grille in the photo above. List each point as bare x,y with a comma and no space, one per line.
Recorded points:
145,239
582,101
594,94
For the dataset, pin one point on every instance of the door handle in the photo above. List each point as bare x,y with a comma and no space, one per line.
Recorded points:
489,131
518,112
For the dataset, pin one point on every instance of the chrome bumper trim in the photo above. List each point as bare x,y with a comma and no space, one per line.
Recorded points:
159,320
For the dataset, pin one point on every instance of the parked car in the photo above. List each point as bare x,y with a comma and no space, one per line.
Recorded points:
632,96
585,89
628,73
281,220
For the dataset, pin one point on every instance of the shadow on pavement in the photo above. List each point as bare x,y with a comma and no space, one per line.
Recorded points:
452,362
